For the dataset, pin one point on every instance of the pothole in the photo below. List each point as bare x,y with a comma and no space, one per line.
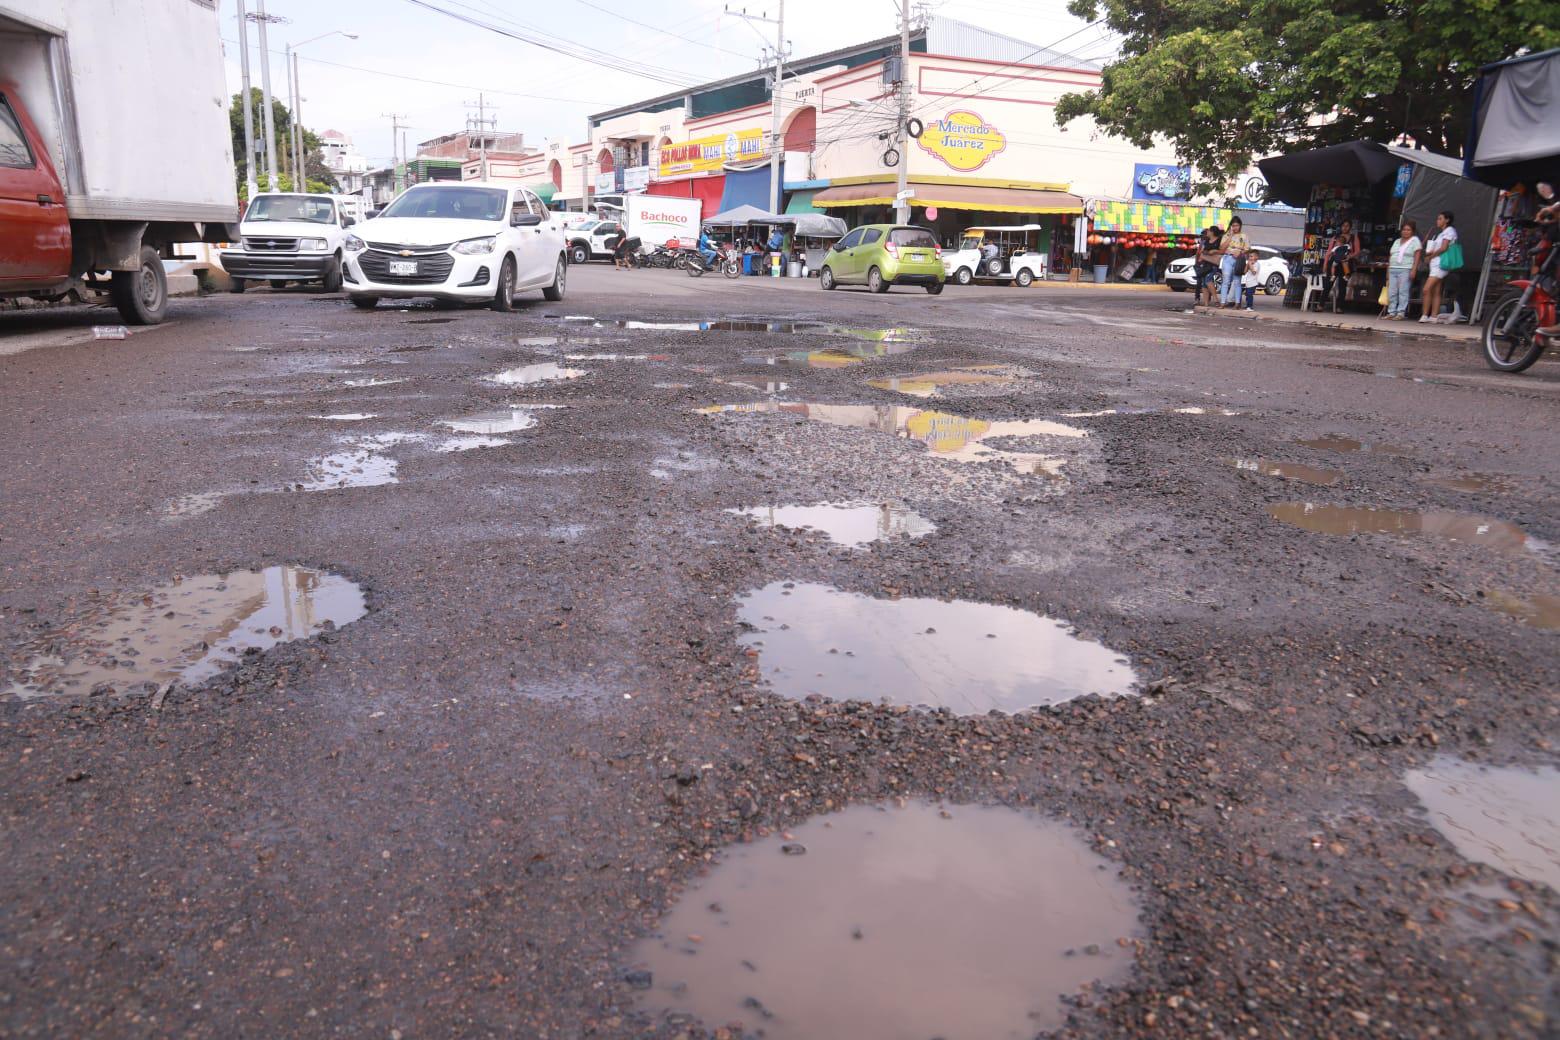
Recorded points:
852,524
1289,471
1474,483
359,465
186,630
1538,611
770,386
1504,817
968,657
928,384
1149,410
347,416
541,372
193,504
1334,442
374,381
1461,527
835,357
955,438
617,357
892,334
881,923
495,421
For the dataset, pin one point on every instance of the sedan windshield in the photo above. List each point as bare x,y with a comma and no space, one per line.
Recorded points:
291,207
451,203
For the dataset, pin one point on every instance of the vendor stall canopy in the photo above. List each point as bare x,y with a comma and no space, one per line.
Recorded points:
1515,137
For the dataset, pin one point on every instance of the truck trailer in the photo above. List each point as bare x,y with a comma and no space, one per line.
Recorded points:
114,146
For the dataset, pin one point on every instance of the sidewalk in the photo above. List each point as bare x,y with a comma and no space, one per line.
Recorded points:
1276,311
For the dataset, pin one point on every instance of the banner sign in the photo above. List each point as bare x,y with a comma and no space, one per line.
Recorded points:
1166,183
636,178
710,154
1156,218
962,141
606,183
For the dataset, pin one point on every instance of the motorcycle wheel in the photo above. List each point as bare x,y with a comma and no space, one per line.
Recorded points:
695,266
731,269
1518,349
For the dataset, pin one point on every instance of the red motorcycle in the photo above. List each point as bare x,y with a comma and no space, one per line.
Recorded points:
1512,340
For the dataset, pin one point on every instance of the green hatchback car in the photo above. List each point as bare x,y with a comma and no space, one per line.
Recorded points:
883,255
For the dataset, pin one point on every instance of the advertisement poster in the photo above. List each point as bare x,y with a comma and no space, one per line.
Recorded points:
710,154
636,178
962,141
1157,183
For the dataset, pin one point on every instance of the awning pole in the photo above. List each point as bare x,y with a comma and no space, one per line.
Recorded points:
1484,271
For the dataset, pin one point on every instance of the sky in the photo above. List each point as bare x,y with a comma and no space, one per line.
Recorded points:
539,92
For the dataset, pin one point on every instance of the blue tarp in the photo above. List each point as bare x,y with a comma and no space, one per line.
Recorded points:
746,188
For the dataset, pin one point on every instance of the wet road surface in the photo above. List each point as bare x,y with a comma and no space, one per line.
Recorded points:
627,666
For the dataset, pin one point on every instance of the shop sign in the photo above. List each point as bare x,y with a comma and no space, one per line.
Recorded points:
1165,183
709,154
636,178
606,182
962,141
1158,219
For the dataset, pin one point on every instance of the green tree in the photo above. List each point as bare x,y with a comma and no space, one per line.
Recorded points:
320,179
1227,81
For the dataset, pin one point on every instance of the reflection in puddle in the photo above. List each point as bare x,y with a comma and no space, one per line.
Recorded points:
1127,410
537,341
1289,471
1474,483
617,357
372,382
1333,442
927,383
1507,818
810,328
952,437
188,629
454,444
1539,611
968,657
361,465
348,416
1325,519
883,923
846,523
836,357
771,386
542,372
500,420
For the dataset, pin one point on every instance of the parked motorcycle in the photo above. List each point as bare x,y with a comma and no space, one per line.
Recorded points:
1512,341
726,262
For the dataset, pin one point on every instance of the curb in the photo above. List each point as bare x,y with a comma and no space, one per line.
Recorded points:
1461,335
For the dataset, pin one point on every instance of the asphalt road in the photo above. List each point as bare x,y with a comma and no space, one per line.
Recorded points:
463,812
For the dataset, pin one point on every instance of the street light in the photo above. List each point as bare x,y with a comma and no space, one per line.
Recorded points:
300,177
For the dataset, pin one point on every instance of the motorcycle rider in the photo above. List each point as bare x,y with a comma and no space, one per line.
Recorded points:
707,249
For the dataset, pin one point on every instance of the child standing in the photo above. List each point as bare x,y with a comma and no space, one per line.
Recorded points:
1249,282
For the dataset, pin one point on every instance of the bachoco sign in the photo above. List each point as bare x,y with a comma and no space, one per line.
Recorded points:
962,141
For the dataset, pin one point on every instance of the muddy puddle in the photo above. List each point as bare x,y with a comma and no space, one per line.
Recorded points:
1289,471
360,464
928,384
541,372
1505,817
366,382
1333,442
896,334
852,524
955,438
187,630
1538,611
1460,527
894,922
1474,483
835,357
968,657
493,422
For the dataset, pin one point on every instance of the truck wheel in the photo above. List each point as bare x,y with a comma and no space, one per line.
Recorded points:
554,292
237,285
332,280
141,296
964,276
1024,277
365,303
579,253
504,293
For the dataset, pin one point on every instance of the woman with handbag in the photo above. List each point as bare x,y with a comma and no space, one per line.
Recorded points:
1445,255
1232,262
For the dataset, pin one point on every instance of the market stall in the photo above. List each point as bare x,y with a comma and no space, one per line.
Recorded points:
1122,236
749,226
815,235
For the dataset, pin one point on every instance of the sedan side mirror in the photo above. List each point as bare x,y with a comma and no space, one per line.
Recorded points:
525,219
347,222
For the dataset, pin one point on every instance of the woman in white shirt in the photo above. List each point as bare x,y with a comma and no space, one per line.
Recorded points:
1402,266
1445,235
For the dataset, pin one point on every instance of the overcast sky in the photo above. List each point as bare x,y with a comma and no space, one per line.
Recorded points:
539,92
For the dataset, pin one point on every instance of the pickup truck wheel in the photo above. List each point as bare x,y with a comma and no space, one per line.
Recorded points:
1024,277
332,279
579,253
964,276
141,296
554,292
237,286
365,303
504,294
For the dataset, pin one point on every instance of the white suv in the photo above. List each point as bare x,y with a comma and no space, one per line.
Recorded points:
465,241
1271,266
290,237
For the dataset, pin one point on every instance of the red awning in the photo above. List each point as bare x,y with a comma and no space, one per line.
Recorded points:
671,189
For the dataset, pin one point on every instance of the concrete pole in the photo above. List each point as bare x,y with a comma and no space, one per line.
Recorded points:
250,183
265,97
901,138
776,148
301,177
292,107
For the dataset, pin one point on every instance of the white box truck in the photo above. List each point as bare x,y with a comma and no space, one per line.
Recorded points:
114,146
657,219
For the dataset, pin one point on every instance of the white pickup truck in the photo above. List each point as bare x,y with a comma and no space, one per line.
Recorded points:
291,237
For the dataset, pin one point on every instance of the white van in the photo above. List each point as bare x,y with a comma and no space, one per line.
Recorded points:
292,237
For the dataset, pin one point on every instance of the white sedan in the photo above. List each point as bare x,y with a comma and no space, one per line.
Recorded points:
468,241
1181,275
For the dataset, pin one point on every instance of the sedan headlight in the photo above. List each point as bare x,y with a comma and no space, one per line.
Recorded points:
353,244
476,246
311,245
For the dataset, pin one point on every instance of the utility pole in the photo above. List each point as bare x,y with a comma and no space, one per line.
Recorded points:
301,174
395,166
251,185
901,199
776,150
482,124
292,106
265,91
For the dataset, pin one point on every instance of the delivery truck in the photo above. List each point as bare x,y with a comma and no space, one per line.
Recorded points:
114,146
653,219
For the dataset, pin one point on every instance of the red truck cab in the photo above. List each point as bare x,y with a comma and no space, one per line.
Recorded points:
35,241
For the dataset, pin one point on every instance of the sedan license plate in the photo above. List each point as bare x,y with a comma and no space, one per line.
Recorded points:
403,267
916,256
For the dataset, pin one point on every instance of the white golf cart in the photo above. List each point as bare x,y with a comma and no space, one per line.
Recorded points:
1018,259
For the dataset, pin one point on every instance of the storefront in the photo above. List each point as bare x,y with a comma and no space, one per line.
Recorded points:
1126,236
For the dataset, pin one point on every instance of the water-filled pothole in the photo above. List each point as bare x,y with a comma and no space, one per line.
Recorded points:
541,372
1336,442
927,384
1149,410
1461,527
496,421
1474,483
884,923
1538,610
836,357
965,656
846,523
956,438
1289,471
806,328
348,416
186,630
360,465
617,357
1505,817
371,381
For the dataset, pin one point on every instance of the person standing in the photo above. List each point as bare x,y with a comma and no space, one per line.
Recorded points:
1249,282
1402,269
1232,248
1341,252
1445,235
1207,263
1151,266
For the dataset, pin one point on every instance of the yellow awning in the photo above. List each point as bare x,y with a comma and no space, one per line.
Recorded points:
953,196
